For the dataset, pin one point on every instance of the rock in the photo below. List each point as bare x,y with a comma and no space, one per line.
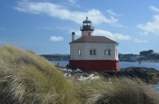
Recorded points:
90,77
149,75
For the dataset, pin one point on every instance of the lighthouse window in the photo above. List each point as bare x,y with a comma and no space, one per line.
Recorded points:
90,52
107,52
89,33
79,52
93,52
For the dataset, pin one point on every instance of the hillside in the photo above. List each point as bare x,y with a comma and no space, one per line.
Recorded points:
26,78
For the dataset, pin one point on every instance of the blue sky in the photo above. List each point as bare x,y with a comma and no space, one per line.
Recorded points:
45,26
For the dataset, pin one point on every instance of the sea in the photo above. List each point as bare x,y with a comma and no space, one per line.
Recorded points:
122,64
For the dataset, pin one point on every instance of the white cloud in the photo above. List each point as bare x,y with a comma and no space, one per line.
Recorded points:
150,27
99,32
140,41
56,38
111,12
114,36
63,13
143,33
73,3
154,8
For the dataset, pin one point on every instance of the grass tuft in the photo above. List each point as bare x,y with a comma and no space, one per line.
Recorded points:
28,78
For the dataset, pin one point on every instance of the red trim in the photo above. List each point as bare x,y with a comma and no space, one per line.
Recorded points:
95,65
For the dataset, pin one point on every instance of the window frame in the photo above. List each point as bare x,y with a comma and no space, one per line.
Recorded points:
79,52
107,52
89,33
92,52
116,53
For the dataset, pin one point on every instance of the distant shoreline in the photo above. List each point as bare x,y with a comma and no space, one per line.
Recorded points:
153,61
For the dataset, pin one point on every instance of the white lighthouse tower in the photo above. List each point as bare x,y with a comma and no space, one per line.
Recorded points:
97,53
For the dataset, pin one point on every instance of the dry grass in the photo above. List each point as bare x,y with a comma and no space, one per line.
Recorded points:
119,91
26,78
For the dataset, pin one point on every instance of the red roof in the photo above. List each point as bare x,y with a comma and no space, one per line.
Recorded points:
93,39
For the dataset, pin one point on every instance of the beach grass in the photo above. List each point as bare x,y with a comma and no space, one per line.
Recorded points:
26,78
117,91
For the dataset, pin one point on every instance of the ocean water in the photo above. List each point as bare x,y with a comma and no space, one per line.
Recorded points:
122,64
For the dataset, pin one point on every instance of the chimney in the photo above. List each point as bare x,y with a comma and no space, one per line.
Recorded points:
73,36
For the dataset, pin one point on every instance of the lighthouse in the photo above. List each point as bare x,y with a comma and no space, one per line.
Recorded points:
87,28
93,53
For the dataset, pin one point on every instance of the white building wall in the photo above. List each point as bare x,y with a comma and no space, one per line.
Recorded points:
87,33
74,51
100,48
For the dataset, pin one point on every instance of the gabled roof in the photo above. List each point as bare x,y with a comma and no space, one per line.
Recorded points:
100,39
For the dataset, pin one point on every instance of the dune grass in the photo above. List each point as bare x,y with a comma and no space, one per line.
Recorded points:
118,91
26,78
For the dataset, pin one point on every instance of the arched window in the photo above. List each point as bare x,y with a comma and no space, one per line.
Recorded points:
92,51
107,52
79,52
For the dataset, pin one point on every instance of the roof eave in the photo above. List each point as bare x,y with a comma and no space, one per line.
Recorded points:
92,42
